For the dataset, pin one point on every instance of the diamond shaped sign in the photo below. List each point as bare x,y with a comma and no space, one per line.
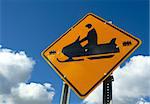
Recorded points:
89,52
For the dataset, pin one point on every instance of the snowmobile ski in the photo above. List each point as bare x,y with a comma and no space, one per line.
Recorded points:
70,60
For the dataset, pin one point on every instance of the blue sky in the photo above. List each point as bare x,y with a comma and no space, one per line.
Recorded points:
32,25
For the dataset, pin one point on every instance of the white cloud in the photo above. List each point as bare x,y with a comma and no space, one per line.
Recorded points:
142,101
15,70
32,94
6,99
132,82
15,67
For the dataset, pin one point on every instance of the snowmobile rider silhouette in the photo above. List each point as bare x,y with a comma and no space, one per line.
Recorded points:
91,37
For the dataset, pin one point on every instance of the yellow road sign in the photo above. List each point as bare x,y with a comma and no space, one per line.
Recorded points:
89,52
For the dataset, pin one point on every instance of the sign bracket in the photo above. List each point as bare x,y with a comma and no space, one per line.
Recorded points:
107,90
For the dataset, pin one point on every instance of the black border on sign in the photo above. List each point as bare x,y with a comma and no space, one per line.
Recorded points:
103,78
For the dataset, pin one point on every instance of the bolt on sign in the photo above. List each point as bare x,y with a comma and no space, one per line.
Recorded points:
89,52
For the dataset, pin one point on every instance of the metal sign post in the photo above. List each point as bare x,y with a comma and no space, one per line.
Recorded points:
65,94
107,90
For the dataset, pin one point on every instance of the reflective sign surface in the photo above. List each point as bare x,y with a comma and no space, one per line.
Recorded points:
89,52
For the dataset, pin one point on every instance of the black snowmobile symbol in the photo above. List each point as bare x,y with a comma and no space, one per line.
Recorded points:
91,48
